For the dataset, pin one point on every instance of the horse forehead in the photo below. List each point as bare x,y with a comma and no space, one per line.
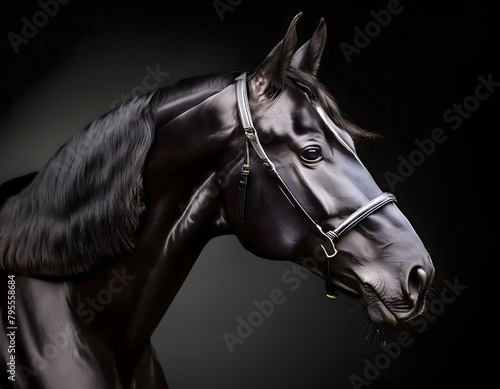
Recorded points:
293,114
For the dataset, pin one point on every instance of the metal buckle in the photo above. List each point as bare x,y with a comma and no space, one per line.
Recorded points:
245,169
331,242
326,252
250,133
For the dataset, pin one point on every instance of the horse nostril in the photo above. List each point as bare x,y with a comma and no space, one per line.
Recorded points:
417,279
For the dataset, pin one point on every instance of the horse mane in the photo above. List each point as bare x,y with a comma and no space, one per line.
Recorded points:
318,93
85,205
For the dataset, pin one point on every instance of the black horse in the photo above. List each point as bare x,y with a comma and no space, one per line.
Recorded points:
121,212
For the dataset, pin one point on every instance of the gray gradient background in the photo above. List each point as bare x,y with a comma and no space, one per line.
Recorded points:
428,58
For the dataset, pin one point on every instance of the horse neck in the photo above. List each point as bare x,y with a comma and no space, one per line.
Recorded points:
183,208
190,157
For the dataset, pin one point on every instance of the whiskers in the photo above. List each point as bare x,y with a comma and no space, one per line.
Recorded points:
433,293
368,334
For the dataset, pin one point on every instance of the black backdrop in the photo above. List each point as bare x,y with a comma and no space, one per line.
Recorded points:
63,66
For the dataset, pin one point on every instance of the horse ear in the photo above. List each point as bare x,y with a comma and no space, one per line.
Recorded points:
308,57
270,74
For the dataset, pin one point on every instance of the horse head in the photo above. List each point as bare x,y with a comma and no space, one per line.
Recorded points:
301,156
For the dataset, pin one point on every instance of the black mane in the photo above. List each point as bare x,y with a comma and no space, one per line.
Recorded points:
84,206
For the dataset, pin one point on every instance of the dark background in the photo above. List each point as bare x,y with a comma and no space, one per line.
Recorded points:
427,59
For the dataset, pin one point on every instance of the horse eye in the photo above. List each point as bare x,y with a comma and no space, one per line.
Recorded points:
311,154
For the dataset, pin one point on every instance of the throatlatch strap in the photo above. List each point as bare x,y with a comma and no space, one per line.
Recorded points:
245,171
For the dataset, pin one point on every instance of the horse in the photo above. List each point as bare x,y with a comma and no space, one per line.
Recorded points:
95,246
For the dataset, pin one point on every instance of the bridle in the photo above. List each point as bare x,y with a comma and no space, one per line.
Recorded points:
330,236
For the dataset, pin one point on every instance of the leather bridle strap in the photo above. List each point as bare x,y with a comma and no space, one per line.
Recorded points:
360,214
331,236
245,171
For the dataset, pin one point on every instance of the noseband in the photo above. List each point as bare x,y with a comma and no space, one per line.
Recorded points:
330,236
